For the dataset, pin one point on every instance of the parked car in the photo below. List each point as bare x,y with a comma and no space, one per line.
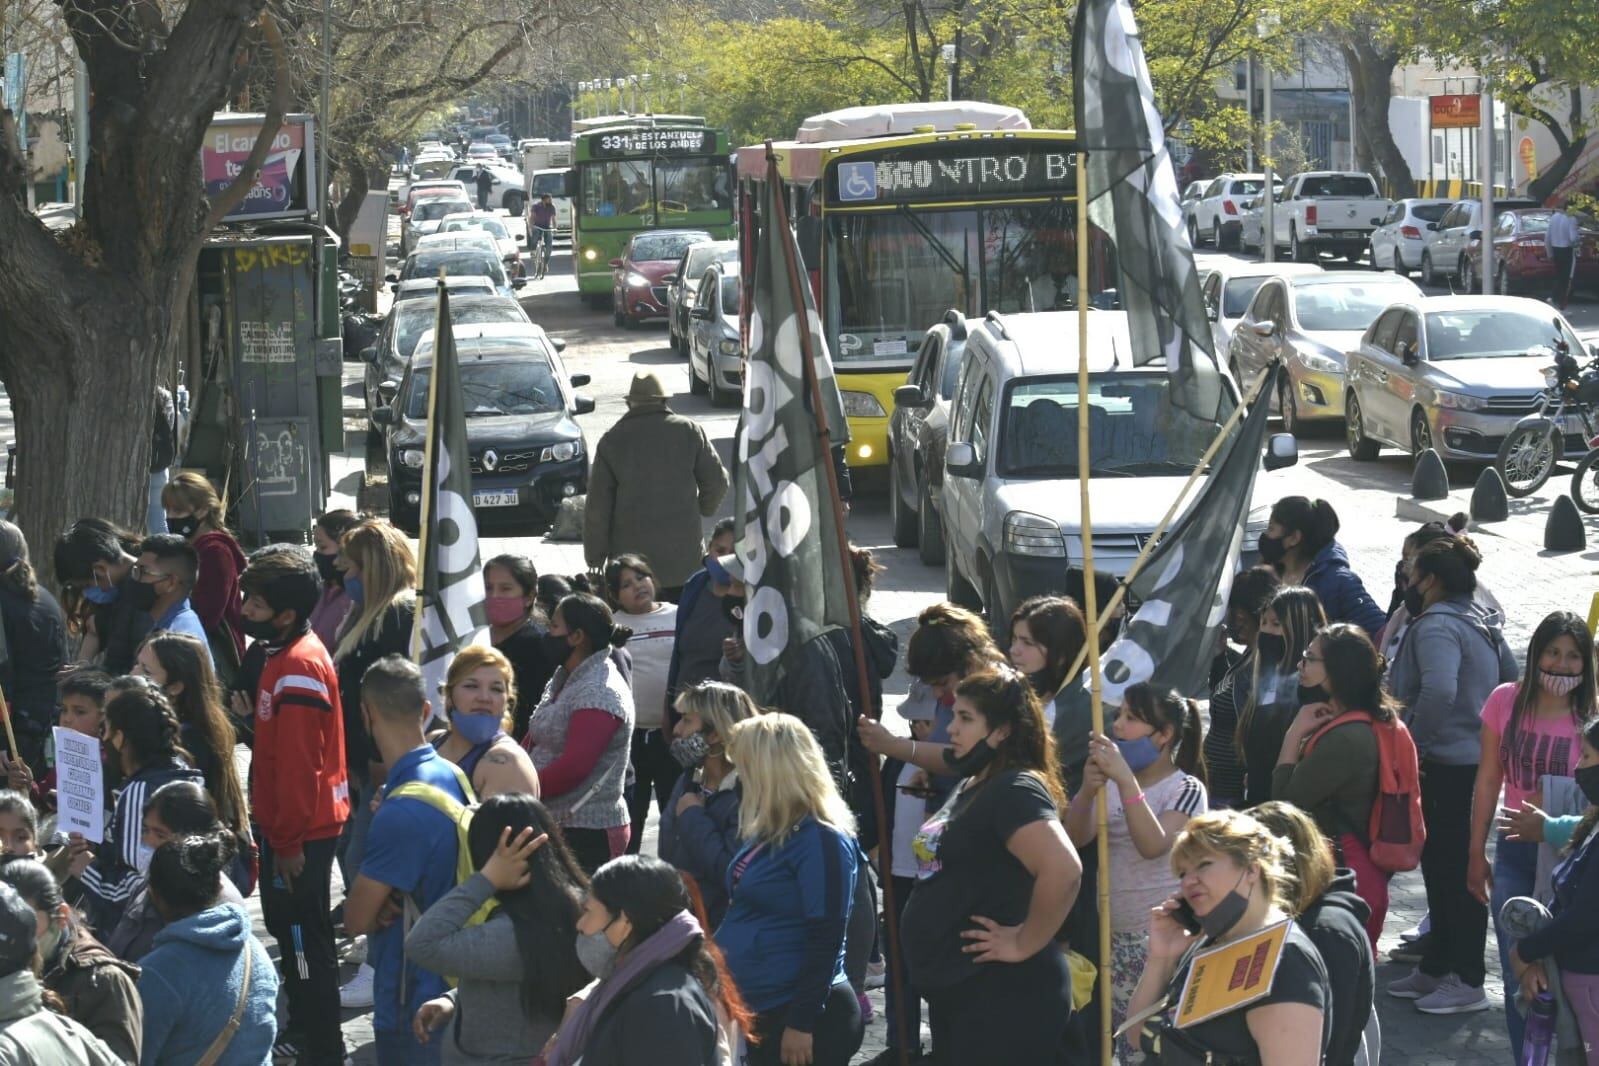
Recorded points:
1520,259
1227,288
1012,523
1214,217
638,288
1398,243
1309,321
1444,257
1327,210
488,222
527,453
1453,373
460,254
918,431
1251,225
409,319
681,283
1191,194
427,214
715,359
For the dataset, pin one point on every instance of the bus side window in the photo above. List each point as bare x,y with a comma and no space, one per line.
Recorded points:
808,234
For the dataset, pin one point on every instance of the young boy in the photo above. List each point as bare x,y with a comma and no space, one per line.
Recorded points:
83,693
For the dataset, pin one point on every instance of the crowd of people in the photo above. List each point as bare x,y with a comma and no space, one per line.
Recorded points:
489,837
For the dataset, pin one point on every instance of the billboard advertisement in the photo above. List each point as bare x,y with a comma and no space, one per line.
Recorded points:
285,188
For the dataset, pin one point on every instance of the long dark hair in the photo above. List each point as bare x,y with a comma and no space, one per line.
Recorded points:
1590,733
1298,610
1055,623
651,892
1168,710
949,640
586,613
1004,696
1453,561
1314,520
543,912
1554,626
199,705
186,872
138,709
1354,671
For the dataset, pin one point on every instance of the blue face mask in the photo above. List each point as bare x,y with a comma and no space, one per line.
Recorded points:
96,594
475,729
354,589
1139,753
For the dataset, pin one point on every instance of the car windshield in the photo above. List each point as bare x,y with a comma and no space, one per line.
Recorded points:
551,183
416,317
458,287
656,190
1492,333
1429,212
432,168
1134,428
488,390
1235,298
660,246
1246,186
432,210
493,226
1534,222
1344,306
462,261
730,296
1338,185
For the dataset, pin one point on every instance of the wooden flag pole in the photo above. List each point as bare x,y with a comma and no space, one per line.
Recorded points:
11,734
424,509
1091,609
779,225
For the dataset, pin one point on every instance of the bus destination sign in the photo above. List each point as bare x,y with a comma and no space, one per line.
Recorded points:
653,142
915,176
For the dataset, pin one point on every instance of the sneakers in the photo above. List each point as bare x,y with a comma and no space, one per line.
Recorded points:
357,994
1414,986
876,974
1453,996
354,951
1412,951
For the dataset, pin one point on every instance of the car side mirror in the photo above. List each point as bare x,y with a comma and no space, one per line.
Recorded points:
1474,235
615,263
579,380
701,314
1407,353
1282,450
570,187
670,279
518,283
582,405
1263,329
1432,226
560,346
392,279
1211,312
383,416
961,460
521,238
911,397
369,354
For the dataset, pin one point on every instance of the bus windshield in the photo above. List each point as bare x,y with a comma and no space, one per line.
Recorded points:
892,275
642,186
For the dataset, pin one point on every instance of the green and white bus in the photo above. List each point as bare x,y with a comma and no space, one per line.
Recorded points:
641,172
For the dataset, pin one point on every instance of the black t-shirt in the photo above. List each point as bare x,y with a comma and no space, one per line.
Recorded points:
968,870
1301,978
533,670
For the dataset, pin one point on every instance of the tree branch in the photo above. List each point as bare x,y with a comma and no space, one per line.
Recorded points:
234,194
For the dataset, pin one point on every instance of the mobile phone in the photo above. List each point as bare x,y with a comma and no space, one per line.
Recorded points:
1184,916
919,793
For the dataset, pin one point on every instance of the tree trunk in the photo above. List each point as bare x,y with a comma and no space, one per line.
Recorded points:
350,203
1372,71
1571,148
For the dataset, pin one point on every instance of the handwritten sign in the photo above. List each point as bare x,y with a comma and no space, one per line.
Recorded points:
1233,975
80,785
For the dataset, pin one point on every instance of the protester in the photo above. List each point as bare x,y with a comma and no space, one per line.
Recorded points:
516,628
479,693
142,735
97,988
31,1033
177,809
1328,767
1275,692
1530,730
163,579
1567,946
19,825
1330,910
579,735
163,453
1452,657
1233,876
1299,543
1252,593
551,589
1157,764
790,887
300,790
1398,618
94,559
1047,634
35,631
661,983
516,968
881,647
82,699
630,584
207,984
655,477
699,831
328,614
702,625
196,513
1561,240
411,850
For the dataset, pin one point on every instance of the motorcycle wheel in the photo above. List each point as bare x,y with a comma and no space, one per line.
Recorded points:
1585,483
1527,457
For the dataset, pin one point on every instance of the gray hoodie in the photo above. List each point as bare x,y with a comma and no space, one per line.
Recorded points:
1451,657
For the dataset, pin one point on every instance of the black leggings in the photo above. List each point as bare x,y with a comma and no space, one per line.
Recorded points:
655,773
834,1041
1006,1012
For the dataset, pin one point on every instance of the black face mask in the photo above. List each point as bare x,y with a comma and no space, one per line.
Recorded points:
142,595
1272,550
556,648
1271,646
973,762
1587,778
1225,914
184,527
1415,603
331,575
262,630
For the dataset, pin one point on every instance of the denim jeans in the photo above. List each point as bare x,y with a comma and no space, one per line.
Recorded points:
399,1048
1515,870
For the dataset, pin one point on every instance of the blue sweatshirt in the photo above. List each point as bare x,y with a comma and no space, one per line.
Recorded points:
1572,935
1343,595
190,985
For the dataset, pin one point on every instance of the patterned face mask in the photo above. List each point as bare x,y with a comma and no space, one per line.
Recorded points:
1558,684
690,751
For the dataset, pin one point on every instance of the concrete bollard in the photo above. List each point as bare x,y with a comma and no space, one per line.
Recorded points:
1429,481
1490,502
1565,530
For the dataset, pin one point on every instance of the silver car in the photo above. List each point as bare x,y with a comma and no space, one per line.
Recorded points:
1309,321
1452,373
715,364
1227,288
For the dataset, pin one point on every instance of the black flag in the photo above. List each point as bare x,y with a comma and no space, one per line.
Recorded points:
787,541
1132,193
450,613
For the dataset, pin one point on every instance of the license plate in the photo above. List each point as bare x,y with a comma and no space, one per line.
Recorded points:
1352,233
507,498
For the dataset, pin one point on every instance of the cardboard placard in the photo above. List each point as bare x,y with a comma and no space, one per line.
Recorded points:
80,785
1231,975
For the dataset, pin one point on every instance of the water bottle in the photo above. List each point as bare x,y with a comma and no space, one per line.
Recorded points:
1540,1032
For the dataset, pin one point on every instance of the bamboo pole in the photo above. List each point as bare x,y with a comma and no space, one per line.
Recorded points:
425,505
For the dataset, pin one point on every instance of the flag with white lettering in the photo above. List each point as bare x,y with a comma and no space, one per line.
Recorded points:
451,613
787,540
1132,193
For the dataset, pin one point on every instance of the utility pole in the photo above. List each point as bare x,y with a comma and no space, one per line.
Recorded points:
327,95
1249,107
1264,26
1485,153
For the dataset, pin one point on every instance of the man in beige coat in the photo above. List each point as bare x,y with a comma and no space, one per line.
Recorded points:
655,476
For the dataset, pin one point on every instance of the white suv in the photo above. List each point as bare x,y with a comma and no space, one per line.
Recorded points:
1216,216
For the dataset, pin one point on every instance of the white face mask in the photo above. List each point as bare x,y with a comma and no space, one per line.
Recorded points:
141,860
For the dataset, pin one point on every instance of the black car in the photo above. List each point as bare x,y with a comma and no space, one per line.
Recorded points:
410,318
527,451
918,431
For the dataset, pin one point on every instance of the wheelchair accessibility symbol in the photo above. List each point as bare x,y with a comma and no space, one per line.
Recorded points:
857,181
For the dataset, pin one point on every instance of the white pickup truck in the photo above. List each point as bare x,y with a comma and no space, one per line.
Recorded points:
1327,210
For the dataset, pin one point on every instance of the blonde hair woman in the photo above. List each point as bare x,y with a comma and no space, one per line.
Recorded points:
792,884
479,695
1234,880
699,824
195,512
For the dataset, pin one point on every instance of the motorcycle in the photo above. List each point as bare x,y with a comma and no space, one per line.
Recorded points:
1530,451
